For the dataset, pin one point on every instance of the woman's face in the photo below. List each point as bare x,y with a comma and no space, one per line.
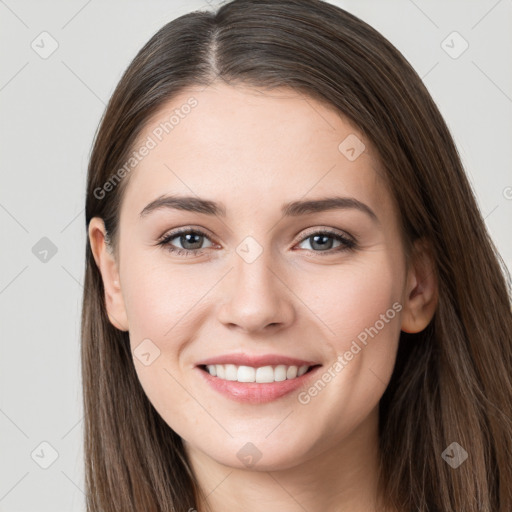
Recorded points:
259,282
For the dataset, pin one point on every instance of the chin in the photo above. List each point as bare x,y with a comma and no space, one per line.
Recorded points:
258,456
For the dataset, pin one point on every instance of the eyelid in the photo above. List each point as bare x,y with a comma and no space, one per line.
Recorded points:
173,233
324,229
304,235
347,241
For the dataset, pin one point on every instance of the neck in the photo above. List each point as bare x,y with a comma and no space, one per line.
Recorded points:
343,477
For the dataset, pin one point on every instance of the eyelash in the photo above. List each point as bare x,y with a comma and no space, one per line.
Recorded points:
347,243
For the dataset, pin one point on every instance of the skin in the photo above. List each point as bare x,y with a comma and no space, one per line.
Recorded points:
253,151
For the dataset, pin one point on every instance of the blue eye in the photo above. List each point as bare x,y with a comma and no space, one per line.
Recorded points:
191,241
324,241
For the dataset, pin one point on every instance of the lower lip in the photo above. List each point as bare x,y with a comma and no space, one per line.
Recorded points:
256,393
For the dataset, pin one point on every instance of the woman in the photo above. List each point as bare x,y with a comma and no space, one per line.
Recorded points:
291,299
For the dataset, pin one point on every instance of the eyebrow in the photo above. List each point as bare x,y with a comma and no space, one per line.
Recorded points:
292,209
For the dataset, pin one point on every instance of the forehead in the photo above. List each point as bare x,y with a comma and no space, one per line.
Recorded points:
241,144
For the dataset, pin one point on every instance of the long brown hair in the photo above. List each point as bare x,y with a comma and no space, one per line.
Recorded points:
452,381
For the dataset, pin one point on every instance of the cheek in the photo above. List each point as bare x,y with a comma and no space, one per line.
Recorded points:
359,307
160,307
350,299
165,305
362,308
159,298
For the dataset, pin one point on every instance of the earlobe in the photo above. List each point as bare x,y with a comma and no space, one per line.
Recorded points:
421,291
107,266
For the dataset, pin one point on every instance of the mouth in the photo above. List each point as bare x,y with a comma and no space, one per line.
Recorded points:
256,384
261,375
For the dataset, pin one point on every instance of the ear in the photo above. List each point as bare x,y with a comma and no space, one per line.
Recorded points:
421,292
105,260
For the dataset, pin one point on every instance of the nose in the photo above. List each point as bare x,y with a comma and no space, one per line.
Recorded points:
256,297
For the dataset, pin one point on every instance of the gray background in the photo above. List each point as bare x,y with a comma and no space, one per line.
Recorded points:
50,108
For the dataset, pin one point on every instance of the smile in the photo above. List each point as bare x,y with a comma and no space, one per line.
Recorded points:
263,374
256,385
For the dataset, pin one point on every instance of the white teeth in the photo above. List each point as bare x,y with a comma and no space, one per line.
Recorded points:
302,370
261,375
246,374
230,372
291,373
280,373
265,374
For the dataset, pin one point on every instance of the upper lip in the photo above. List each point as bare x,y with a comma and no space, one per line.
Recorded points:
256,361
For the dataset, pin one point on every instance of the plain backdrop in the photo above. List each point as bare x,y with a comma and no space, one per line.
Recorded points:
51,104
